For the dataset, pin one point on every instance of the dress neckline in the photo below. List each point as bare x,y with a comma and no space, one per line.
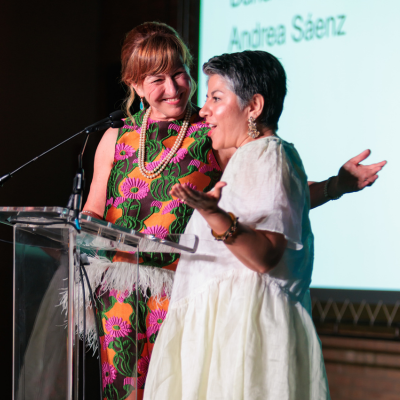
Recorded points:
195,110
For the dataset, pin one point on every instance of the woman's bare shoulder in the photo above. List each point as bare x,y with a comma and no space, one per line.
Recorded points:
107,142
103,163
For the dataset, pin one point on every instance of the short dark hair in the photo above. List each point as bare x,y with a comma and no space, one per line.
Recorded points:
249,73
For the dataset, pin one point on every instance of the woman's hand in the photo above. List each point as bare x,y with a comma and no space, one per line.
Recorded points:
354,176
206,204
203,202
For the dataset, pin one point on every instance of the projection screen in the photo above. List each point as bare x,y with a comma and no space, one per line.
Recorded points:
342,60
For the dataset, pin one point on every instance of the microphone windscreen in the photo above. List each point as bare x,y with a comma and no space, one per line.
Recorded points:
117,124
116,115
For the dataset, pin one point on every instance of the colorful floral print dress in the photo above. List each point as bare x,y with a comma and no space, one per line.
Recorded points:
135,202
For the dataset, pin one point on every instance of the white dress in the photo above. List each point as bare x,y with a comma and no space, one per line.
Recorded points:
231,333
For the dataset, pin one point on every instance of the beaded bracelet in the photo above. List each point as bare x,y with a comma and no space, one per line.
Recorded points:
231,230
326,190
90,214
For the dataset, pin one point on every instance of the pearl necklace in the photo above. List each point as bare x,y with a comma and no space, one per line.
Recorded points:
150,174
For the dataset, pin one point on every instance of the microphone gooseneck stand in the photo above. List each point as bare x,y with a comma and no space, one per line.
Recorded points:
75,200
113,120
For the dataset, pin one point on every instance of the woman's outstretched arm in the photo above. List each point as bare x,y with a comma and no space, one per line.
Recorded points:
103,162
352,177
258,250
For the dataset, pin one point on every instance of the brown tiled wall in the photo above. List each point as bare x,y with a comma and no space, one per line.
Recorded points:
361,369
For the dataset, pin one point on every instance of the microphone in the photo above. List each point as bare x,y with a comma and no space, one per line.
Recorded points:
113,121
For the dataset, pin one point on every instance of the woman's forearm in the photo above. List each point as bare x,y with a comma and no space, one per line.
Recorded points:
317,196
320,196
259,251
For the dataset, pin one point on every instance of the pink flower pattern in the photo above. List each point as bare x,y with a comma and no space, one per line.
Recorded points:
123,151
179,156
150,166
165,153
157,231
195,128
105,341
130,127
129,381
109,202
109,373
196,163
118,201
119,296
132,381
175,127
117,327
140,381
157,317
206,168
152,329
135,188
157,204
122,296
143,365
170,206
213,161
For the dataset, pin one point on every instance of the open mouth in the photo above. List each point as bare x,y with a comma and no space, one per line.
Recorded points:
174,100
212,127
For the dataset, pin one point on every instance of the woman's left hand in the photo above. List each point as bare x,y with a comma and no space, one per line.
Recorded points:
354,176
206,202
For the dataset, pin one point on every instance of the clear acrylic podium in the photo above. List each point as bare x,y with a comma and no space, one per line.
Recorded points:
46,263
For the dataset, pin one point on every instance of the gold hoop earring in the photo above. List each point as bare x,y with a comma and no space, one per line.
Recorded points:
253,132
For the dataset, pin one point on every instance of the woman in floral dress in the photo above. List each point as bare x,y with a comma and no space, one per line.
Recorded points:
140,200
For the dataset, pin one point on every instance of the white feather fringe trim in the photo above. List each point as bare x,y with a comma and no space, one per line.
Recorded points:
120,276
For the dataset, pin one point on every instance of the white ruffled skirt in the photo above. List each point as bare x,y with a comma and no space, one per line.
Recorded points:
238,337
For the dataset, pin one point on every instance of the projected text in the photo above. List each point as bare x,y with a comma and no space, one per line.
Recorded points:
301,29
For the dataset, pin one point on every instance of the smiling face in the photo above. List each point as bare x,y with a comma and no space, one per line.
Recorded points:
228,122
167,93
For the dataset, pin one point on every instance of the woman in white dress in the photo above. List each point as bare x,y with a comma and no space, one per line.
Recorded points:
239,324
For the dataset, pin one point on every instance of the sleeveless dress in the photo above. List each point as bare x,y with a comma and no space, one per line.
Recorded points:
143,204
232,333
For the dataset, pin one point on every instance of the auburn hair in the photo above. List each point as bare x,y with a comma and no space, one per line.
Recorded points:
150,49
